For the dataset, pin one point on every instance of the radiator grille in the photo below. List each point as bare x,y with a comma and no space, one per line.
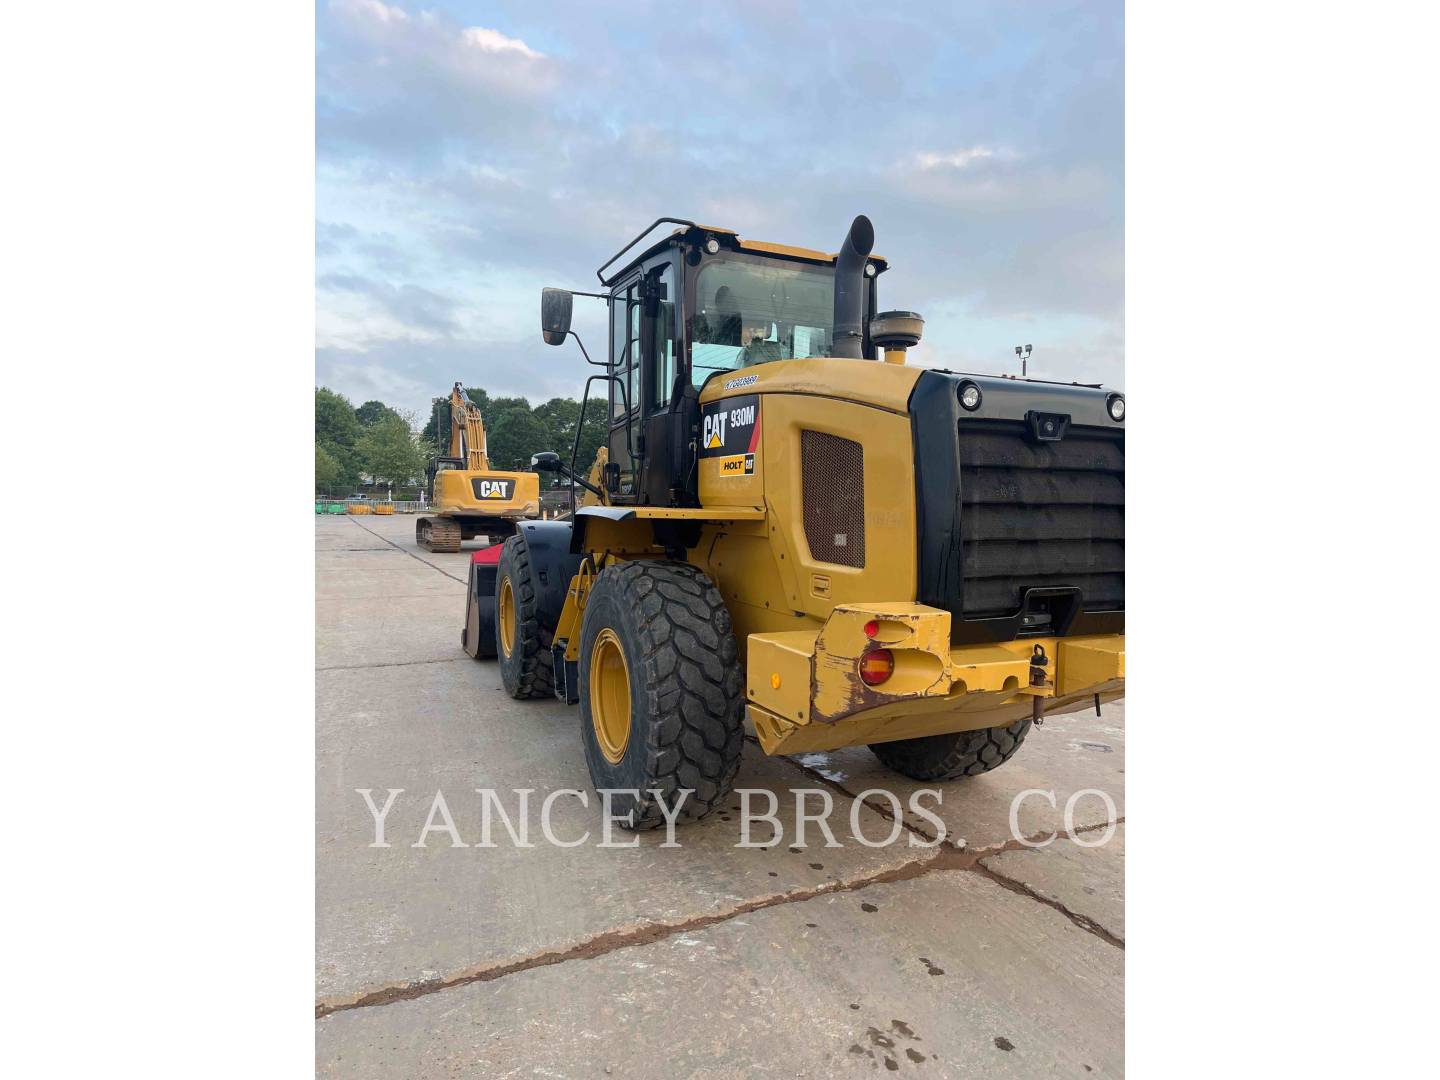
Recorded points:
832,474
1040,514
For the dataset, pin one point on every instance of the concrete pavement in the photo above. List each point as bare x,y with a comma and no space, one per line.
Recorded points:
979,956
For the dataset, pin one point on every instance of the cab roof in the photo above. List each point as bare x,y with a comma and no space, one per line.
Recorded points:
689,232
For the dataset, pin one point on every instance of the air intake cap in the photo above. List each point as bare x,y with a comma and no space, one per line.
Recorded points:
896,329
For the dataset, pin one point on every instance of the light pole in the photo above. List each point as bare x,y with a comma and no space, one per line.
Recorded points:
1023,352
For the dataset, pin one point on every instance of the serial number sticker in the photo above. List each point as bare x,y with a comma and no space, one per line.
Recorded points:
742,382
738,465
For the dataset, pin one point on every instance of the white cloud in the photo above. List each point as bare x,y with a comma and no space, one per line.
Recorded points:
467,164
372,9
495,42
960,159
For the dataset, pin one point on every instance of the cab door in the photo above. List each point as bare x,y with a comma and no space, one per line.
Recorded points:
625,365
667,414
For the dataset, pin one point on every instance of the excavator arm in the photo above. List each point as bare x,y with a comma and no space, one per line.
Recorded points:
467,432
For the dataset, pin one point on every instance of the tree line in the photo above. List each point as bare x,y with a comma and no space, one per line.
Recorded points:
377,445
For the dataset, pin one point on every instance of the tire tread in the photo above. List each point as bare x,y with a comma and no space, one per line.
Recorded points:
951,756
692,681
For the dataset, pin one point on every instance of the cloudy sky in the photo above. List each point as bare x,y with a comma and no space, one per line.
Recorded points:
469,153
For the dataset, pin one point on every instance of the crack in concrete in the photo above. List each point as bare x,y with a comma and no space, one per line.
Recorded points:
835,785
1084,922
417,558
399,663
945,857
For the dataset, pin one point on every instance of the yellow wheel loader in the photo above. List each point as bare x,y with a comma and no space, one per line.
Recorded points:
471,499
791,526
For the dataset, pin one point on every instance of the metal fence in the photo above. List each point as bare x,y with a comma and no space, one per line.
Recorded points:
548,509
365,506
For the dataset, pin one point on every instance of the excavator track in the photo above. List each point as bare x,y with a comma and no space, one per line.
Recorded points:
437,534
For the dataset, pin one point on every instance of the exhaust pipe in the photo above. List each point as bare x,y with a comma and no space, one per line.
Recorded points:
849,336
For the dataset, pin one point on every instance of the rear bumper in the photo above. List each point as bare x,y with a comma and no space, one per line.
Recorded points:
804,691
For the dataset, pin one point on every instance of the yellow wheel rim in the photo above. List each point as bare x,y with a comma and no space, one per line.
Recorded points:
506,616
610,695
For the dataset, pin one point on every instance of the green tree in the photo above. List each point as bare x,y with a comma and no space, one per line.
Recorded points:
435,435
513,433
327,470
336,431
560,415
335,420
389,452
372,411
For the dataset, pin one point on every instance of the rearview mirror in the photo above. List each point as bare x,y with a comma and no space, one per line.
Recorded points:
547,460
556,306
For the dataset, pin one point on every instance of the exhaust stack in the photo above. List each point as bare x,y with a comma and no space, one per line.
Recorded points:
849,335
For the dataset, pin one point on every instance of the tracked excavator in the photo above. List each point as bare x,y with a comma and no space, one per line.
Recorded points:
471,499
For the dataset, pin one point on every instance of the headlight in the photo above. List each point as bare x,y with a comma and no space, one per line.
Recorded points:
969,396
1116,407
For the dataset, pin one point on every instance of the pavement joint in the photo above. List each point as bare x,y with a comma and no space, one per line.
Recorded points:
417,558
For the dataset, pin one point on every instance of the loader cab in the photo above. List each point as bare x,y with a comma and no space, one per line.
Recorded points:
647,414
695,306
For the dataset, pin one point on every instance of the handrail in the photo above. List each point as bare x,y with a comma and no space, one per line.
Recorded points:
580,425
658,221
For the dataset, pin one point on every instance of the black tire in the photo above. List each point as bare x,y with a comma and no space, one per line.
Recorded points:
948,757
527,671
687,696
486,638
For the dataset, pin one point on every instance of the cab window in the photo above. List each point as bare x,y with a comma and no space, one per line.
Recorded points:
624,348
664,369
751,311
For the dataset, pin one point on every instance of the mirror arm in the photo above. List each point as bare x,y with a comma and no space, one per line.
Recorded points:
583,351
566,472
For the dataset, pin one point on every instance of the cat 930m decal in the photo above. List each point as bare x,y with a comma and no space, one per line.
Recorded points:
731,428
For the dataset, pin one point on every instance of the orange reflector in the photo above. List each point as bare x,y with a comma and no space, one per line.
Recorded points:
876,666
872,628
